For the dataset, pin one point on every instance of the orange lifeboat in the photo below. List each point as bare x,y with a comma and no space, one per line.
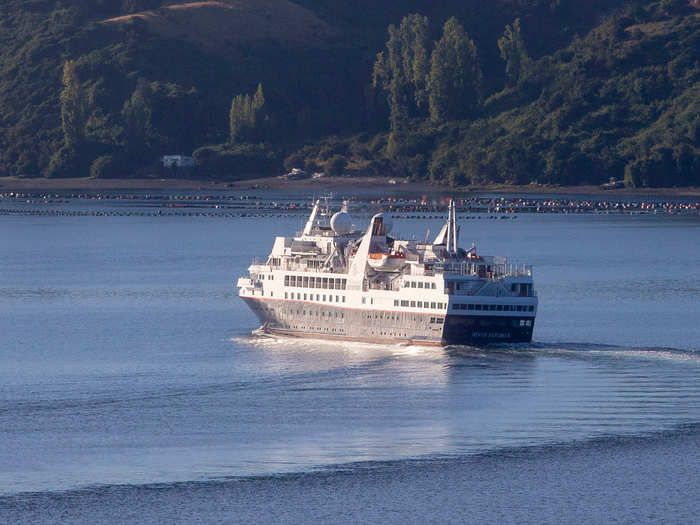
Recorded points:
386,262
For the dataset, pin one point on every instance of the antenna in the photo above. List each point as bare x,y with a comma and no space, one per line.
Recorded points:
448,232
454,227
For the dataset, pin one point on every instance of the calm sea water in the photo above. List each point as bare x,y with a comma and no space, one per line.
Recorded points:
131,389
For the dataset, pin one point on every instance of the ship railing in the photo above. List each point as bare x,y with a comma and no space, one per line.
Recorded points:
298,267
492,271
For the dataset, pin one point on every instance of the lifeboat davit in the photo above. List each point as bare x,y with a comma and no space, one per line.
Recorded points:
386,262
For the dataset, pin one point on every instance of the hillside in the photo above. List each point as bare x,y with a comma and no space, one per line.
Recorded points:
156,77
195,56
621,101
220,24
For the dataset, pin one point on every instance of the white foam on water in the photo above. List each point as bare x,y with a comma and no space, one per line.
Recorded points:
665,354
581,349
271,340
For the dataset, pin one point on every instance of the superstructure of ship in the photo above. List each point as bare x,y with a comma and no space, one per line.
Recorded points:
332,281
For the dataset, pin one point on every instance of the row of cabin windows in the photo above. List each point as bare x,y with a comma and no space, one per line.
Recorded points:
420,304
304,281
337,315
494,322
496,307
419,284
310,297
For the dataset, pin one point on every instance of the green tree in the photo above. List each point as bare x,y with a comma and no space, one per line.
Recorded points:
336,165
401,72
512,48
240,117
455,75
104,167
248,117
74,107
260,126
258,100
136,116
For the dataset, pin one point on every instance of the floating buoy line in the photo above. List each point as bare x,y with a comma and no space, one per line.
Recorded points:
42,204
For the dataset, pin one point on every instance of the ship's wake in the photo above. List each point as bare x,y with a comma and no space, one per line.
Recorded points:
262,339
620,351
507,351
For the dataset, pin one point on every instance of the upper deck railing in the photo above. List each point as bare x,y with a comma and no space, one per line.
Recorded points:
494,268
497,269
293,266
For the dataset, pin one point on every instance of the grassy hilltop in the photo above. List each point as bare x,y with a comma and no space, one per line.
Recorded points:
102,88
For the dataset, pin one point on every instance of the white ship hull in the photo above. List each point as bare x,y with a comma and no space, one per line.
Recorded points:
333,282
303,319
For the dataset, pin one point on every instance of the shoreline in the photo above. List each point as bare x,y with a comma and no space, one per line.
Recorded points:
366,184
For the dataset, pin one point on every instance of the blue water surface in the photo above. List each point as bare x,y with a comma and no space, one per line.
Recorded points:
132,390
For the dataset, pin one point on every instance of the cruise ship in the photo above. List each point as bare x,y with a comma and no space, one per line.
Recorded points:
332,281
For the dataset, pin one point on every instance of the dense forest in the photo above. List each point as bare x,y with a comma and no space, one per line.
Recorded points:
468,92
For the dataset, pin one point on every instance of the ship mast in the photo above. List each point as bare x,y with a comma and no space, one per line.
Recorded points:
455,231
450,230
310,223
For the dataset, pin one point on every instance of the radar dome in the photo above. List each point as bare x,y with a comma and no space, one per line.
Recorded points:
341,223
388,223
